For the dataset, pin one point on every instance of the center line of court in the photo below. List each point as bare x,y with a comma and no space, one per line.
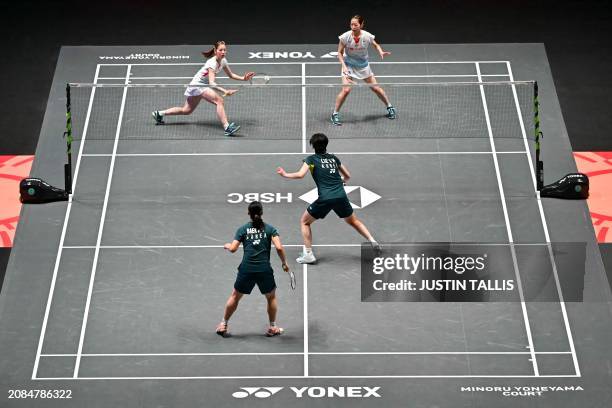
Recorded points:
305,284
303,108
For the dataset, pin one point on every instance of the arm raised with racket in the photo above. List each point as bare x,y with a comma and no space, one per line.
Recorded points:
212,80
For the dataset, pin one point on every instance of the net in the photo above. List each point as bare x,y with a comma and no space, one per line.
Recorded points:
431,116
435,111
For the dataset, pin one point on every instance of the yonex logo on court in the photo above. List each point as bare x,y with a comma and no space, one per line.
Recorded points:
310,392
281,54
288,54
366,197
258,392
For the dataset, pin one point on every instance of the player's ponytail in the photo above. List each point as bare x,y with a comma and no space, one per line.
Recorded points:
255,212
211,52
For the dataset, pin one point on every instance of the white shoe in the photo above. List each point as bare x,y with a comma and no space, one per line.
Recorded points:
376,247
305,258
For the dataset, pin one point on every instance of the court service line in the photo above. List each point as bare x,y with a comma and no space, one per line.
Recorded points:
545,228
316,353
508,226
314,76
192,246
58,258
101,229
285,245
290,153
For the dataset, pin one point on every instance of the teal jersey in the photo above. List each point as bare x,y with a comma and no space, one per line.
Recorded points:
325,170
256,244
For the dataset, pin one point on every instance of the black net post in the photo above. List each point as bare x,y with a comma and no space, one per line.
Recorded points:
68,136
538,139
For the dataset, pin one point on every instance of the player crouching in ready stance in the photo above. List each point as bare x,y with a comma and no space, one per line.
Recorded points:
257,238
327,172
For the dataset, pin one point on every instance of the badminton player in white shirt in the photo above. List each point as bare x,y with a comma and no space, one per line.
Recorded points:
353,55
203,86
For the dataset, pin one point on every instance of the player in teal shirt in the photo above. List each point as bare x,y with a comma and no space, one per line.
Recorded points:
257,238
328,172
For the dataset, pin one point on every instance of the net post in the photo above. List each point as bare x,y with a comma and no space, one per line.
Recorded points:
538,138
68,136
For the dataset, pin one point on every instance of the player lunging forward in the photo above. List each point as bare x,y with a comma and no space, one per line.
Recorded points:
327,172
255,269
202,85
353,55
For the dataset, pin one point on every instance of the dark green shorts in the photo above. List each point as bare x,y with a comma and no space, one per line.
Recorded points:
246,281
341,206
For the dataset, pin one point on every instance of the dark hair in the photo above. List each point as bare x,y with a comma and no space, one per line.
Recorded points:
255,212
358,18
211,52
319,142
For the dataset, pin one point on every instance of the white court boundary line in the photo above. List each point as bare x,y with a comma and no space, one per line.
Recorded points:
291,153
52,287
545,228
58,257
299,377
508,227
100,230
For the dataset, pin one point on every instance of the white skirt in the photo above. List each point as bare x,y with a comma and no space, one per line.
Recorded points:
359,73
195,90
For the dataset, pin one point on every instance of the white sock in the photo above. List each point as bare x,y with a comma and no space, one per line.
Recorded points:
389,105
272,324
308,251
161,113
335,112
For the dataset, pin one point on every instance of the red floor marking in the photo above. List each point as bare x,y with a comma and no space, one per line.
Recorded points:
598,166
12,170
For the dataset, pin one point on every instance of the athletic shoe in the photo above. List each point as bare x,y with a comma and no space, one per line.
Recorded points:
391,113
335,119
231,129
159,119
305,258
274,331
222,329
376,247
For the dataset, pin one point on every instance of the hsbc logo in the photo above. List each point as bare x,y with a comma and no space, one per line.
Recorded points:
310,392
365,196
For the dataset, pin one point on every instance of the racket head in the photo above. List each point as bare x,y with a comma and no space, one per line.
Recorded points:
259,78
292,280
